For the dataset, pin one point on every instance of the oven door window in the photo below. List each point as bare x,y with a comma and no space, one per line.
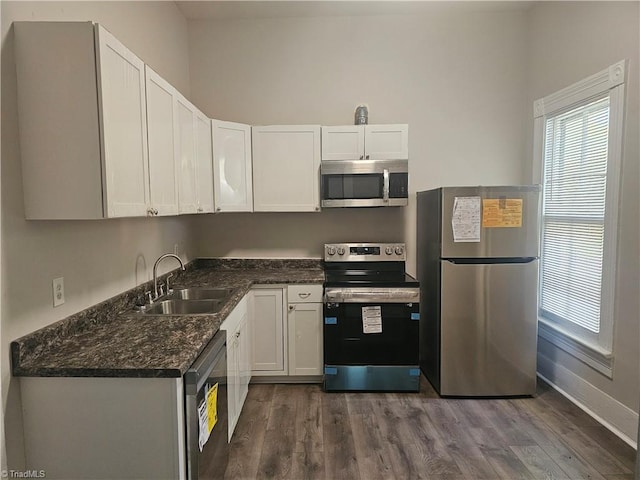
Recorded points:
352,186
345,343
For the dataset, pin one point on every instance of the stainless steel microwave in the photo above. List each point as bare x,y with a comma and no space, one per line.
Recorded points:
364,183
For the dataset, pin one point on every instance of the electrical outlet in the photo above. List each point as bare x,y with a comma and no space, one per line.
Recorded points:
58,291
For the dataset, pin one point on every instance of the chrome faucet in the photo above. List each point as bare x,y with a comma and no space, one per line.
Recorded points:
155,270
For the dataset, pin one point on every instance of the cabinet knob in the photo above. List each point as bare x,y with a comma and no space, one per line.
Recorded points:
367,157
292,307
361,157
304,295
218,209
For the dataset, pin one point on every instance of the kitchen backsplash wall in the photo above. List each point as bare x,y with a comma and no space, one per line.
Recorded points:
98,259
455,75
293,235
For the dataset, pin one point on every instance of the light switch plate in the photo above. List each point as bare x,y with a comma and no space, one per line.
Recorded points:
58,291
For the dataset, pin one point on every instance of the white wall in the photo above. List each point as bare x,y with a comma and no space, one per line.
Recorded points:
98,259
456,76
568,42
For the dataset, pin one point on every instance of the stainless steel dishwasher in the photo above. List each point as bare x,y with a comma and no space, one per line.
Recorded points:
206,412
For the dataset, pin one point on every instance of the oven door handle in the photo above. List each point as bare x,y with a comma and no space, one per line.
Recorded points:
385,185
408,295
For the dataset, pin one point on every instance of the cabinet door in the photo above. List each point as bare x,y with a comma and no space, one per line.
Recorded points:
123,110
163,173
286,167
233,381
244,359
305,339
232,167
343,142
186,154
204,164
268,332
386,142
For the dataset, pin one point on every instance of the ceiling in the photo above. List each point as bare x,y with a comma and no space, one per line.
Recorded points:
231,9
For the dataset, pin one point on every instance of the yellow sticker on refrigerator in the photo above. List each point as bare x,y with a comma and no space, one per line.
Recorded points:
501,212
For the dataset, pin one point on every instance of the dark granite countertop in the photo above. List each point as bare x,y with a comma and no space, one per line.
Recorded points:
111,340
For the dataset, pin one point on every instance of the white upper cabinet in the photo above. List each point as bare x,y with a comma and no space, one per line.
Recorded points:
204,164
365,142
82,122
122,103
233,184
195,170
286,168
343,142
186,154
163,173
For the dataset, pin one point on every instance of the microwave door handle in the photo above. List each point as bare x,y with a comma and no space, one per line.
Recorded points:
385,185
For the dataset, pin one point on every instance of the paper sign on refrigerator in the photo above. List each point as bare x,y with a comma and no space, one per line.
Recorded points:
501,212
465,219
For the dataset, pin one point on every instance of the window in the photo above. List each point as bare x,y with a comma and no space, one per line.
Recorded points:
578,140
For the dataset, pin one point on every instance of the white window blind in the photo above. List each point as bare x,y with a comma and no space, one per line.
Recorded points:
578,134
573,217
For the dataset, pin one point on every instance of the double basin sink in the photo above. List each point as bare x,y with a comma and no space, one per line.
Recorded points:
190,301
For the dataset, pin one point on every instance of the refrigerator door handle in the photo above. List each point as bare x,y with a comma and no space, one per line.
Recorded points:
489,261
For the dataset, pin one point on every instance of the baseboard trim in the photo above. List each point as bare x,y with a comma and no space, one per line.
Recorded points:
618,418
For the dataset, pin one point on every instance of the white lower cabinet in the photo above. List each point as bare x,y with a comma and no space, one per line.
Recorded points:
287,345
269,330
104,428
305,329
237,326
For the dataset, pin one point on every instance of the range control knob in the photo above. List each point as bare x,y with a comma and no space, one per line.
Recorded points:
388,250
331,250
399,250
340,250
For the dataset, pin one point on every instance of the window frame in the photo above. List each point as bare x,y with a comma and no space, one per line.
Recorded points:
595,350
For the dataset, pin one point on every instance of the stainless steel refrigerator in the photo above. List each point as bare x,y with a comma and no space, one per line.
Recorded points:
477,253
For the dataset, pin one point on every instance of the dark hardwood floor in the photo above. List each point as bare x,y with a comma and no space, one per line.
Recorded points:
300,432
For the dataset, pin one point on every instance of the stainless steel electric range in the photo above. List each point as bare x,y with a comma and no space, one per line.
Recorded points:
371,319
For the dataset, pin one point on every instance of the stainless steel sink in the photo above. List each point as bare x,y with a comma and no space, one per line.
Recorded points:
201,293
184,307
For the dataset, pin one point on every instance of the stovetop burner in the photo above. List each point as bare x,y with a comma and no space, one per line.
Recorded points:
379,265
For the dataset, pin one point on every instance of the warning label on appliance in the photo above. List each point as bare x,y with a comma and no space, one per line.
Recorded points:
501,212
465,219
207,415
371,320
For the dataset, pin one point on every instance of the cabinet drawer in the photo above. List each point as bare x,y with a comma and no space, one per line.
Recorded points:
304,294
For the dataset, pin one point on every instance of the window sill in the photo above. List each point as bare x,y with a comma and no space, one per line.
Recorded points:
594,356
